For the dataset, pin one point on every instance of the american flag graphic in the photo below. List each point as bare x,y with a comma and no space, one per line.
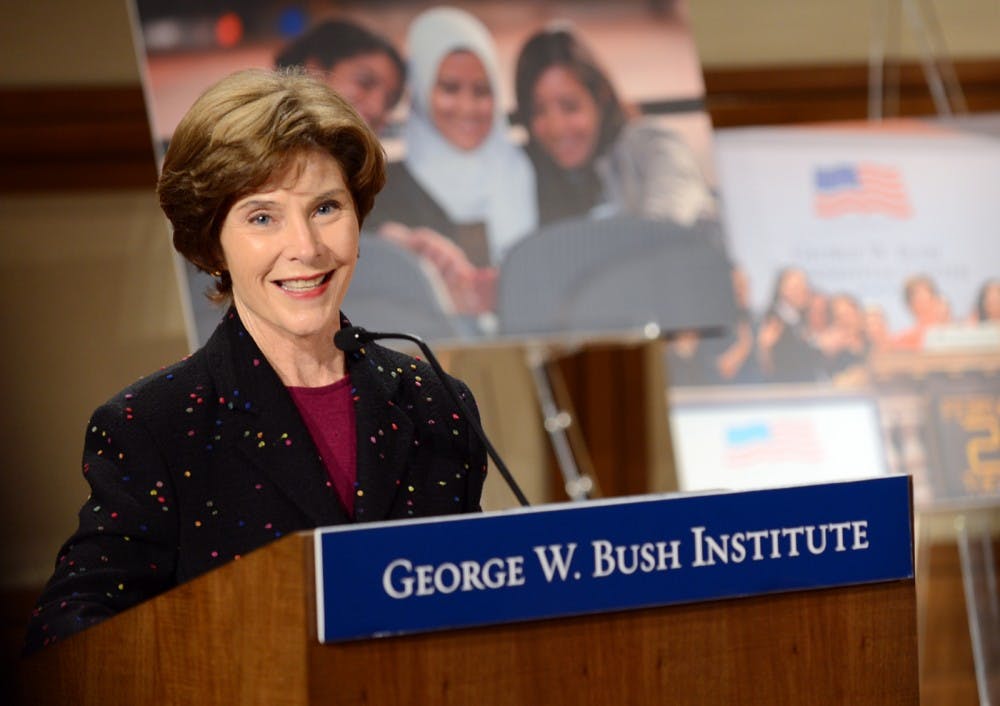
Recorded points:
771,442
860,188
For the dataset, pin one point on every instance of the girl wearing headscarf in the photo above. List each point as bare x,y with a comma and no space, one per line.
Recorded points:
464,192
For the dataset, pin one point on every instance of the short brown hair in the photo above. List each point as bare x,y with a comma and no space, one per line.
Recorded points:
246,130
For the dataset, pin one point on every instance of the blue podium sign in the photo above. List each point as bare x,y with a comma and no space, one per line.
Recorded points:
559,560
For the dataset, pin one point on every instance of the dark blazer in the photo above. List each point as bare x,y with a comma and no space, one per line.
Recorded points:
209,459
404,200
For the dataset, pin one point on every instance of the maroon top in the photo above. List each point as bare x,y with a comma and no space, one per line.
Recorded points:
328,412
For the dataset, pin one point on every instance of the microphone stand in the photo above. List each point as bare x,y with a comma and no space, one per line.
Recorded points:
354,337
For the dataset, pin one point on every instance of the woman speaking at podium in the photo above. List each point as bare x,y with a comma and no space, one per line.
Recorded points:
269,428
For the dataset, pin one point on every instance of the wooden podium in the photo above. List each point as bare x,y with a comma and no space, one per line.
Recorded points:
245,634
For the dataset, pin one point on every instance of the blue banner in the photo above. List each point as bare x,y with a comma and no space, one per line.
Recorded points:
560,560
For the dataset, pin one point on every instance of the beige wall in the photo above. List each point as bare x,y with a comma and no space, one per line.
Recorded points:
67,42
90,304
745,33
90,42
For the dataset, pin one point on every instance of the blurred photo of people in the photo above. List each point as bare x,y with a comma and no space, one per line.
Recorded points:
593,154
362,66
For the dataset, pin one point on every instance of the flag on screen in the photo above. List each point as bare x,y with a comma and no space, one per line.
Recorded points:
770,442
860,188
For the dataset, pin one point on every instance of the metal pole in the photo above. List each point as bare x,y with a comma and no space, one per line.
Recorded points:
876,60
979,582
557,421
932,74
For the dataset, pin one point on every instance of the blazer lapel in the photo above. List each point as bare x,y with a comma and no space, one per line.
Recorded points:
270,432
385,433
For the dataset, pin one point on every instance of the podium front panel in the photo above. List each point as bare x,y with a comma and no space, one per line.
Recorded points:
581,558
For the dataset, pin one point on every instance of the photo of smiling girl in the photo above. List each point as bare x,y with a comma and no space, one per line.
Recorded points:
592,155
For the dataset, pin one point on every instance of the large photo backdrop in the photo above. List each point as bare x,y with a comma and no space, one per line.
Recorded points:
551,166
867,268
552,171
870,213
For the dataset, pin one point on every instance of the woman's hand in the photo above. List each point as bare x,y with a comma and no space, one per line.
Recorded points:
472,289
732,359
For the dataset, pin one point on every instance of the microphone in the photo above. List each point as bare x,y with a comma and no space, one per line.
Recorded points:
353,338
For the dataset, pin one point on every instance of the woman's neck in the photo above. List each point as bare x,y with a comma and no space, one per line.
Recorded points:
304,369
300,361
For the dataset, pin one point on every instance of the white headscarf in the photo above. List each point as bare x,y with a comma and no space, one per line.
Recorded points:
493,183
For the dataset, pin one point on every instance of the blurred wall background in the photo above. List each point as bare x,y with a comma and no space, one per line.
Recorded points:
89,296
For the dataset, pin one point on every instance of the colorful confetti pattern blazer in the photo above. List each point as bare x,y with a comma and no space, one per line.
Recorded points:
209,459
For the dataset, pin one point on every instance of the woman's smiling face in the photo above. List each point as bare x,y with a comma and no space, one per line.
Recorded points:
461,100
565,119
291,249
